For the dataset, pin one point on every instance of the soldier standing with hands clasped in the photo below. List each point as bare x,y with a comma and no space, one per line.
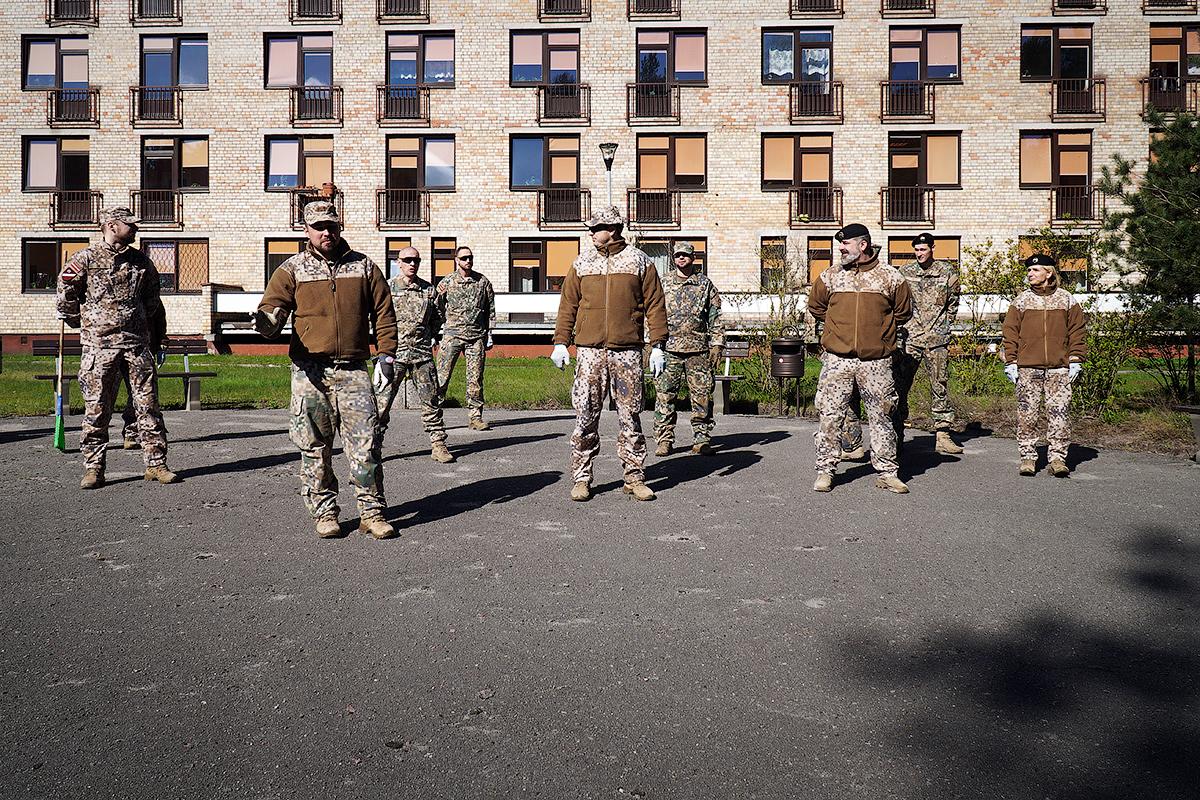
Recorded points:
468,304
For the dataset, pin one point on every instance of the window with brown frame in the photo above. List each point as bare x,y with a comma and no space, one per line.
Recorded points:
797,55
925,54
182,263
677,161
1174,52
900,249
55,62
796,160
56,164
925,160
390,261
820,256
1055,158
659,251
543,162
420,59
539,265
672,57
1056,52
772,263
441,261
177,163
277,251
175,61
298,60
420,162
542,58
297,161
43,259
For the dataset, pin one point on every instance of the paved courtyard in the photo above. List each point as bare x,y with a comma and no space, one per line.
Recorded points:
986,636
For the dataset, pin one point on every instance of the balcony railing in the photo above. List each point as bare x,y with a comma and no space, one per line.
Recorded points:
156,12
323,10
157,104
402,208
1169,6
1068,7
906,100
1078,98
654,208
158,207
798,9
907,8
652,9
560,10
907,204
316,105
73,106
821,205
1076,205
815,101
569,103
75,209
402,105
1171,95
651,102
72,12
304,195
402,10
563,207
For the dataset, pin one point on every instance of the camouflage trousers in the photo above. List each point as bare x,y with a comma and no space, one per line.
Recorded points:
694,369
424,378
905,364
618,373
839,377
329,398
1054,386
100,374
476,352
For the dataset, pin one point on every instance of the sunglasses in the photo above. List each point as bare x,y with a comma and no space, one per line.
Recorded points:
465,258
412,260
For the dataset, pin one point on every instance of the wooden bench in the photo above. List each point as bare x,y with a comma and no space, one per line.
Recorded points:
180,347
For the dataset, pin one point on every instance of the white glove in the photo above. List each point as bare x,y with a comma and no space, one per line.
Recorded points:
560,356
489,344
1073,370
658,361
1010,371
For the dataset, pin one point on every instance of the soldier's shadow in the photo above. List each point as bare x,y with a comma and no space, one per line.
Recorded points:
731,455
481,445
470,497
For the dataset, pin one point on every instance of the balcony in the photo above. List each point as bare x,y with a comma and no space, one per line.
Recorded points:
820,206
654,208
815,101
315,10
909,205
1171,95
156,104
78,209
72,12
73,107
652,9
907,8
405,209
1072,206
398,106
906,101
564,10
563,208
651,103
1063,8
402,10
156,12
161,208
304,195
1169,6
800,9
564,104
1079,99
315,105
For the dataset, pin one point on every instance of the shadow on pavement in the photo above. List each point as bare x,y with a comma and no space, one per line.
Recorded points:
470,497
480,445
8,437
220,437
242,465
505,423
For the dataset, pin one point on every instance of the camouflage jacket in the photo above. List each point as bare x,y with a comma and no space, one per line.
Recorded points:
417,317
468,306
115,300
935,291
693,313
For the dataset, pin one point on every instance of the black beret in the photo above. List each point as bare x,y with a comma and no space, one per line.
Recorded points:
852,231
923,238
1040,260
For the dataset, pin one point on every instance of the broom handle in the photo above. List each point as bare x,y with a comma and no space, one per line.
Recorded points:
62,328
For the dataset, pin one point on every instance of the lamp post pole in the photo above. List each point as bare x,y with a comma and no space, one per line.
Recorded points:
608,151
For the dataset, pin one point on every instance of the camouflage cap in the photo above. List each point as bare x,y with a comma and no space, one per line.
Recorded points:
605,216
687,248
119,214
321,211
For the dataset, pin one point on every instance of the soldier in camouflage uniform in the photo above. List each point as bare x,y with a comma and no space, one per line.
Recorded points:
110,291
694,343
468,304
337,295
417,316
610,295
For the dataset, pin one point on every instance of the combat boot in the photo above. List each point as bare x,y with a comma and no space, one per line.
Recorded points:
92,479
1028,467
823,483
663,449
377,526
439,452
328,526
1059,469
581,492
160,473
891,483
945,445
478,424
854,455
639,490
702,449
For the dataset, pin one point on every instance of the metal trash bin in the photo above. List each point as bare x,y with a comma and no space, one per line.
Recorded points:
787,361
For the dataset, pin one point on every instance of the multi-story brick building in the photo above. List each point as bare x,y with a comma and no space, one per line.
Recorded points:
750,128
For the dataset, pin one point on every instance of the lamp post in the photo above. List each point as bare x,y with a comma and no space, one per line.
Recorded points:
609,151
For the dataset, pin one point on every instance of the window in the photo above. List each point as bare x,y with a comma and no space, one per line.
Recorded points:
391,262
176,163
672,57
900,250
1051,158
1174,51
924,54
1054,53
539,265
43,259
924,159
299,60
294,163
441,258
182,263
60,63
53,165
420,162
175,61
542,162
820,256
772,262
659,251
677,161
781,49
1074,260
794,161
278,251
420,59
538,59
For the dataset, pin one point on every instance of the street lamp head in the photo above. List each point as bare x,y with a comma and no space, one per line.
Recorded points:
609,151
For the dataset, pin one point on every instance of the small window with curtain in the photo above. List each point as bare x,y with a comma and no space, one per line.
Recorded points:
55,63
924,54
298,162
546,58
299,60
797,56
539,265
420,162
900,249
178,163
674,57
1056,52
1055,158
796,161
544,162
175,61
820,256
675,161
43,259
182,264
441,257
56,164
420,59
391,261
277,251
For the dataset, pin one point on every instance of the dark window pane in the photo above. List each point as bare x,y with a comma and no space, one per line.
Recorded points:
193,62
156,68
652,66
402,69
526,73
1035,56
41,265
318,69
527,162
778,57
1074,62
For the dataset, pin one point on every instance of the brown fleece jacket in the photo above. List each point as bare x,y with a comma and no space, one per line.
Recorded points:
861,306
1044,330
608,297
